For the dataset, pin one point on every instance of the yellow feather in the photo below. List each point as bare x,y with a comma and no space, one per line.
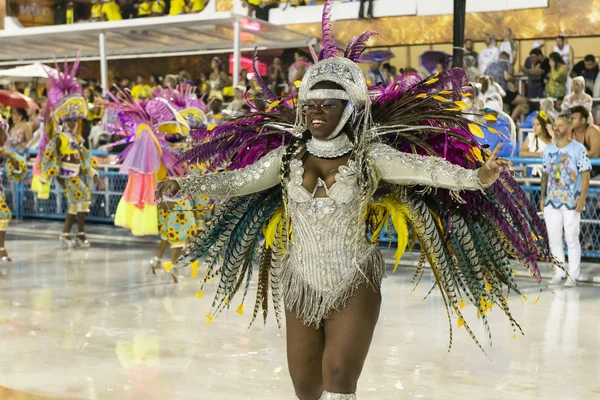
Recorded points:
399,214
462,105
490,117
240,309
208,319
199,294
525,298
194,267
270,229
477,153
167,266
432,81
466,94
273,105
440,98
445,92
421,96
462,304
475,130
461,322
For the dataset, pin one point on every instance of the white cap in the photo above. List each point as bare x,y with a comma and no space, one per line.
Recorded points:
536,45
492,105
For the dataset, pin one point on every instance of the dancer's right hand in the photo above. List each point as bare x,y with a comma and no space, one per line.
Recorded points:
168,188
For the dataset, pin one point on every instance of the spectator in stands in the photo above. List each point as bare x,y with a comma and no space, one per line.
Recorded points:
440,65
488,86
111,11
375,75
584,131
565,51
238,100
184,77
589,70
128,10
20,131
389,72
252,6
141,90
219,79
158,8
496,130
501,72
203,86
170,81
556,81
243,78
70,17
578,97
155,81
473,72
490,54
144,9
536,68
361,12
276,75
469,51
565,183
96,12
509,45
125,83
177,7
538,140
263,9
197,6
215,103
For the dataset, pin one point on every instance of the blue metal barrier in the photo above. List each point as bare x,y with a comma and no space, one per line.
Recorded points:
106,196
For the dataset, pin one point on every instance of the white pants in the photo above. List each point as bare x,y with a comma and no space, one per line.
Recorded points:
569,221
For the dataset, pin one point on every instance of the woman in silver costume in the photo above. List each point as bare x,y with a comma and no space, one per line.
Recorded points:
302,211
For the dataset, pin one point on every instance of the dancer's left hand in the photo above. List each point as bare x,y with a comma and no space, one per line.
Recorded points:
490,171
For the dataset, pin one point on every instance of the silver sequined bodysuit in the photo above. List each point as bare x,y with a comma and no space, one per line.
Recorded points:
331,255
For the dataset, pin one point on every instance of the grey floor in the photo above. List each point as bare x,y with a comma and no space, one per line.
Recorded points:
94,325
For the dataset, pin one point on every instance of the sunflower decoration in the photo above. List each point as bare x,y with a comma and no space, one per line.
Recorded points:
78,194
52,171
192,232
172,234
181,218
3,206
94,163
74,180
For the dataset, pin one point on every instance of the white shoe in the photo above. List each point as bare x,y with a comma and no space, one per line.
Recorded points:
557,280
570,283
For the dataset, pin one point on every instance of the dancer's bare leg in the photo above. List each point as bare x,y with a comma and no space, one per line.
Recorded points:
348,335
305,354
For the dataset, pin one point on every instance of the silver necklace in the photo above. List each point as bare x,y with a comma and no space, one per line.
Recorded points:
333,148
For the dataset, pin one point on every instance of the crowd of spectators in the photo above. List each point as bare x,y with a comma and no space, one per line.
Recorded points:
116,10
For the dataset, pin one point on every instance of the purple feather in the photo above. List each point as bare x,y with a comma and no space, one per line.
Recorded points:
328,46
357,45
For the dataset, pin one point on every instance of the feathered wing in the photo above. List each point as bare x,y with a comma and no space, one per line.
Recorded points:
247,234
467,237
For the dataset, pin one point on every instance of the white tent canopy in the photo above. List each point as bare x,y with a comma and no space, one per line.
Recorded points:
192,34
37,71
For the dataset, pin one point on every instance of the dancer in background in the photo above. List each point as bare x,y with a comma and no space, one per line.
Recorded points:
65,157
300,184
16,169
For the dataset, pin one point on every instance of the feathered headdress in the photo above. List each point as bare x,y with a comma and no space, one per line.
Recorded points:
65,94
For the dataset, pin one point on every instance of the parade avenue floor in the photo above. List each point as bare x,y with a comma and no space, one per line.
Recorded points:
93,324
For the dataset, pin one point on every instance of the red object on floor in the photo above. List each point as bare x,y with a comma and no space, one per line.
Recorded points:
14,99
